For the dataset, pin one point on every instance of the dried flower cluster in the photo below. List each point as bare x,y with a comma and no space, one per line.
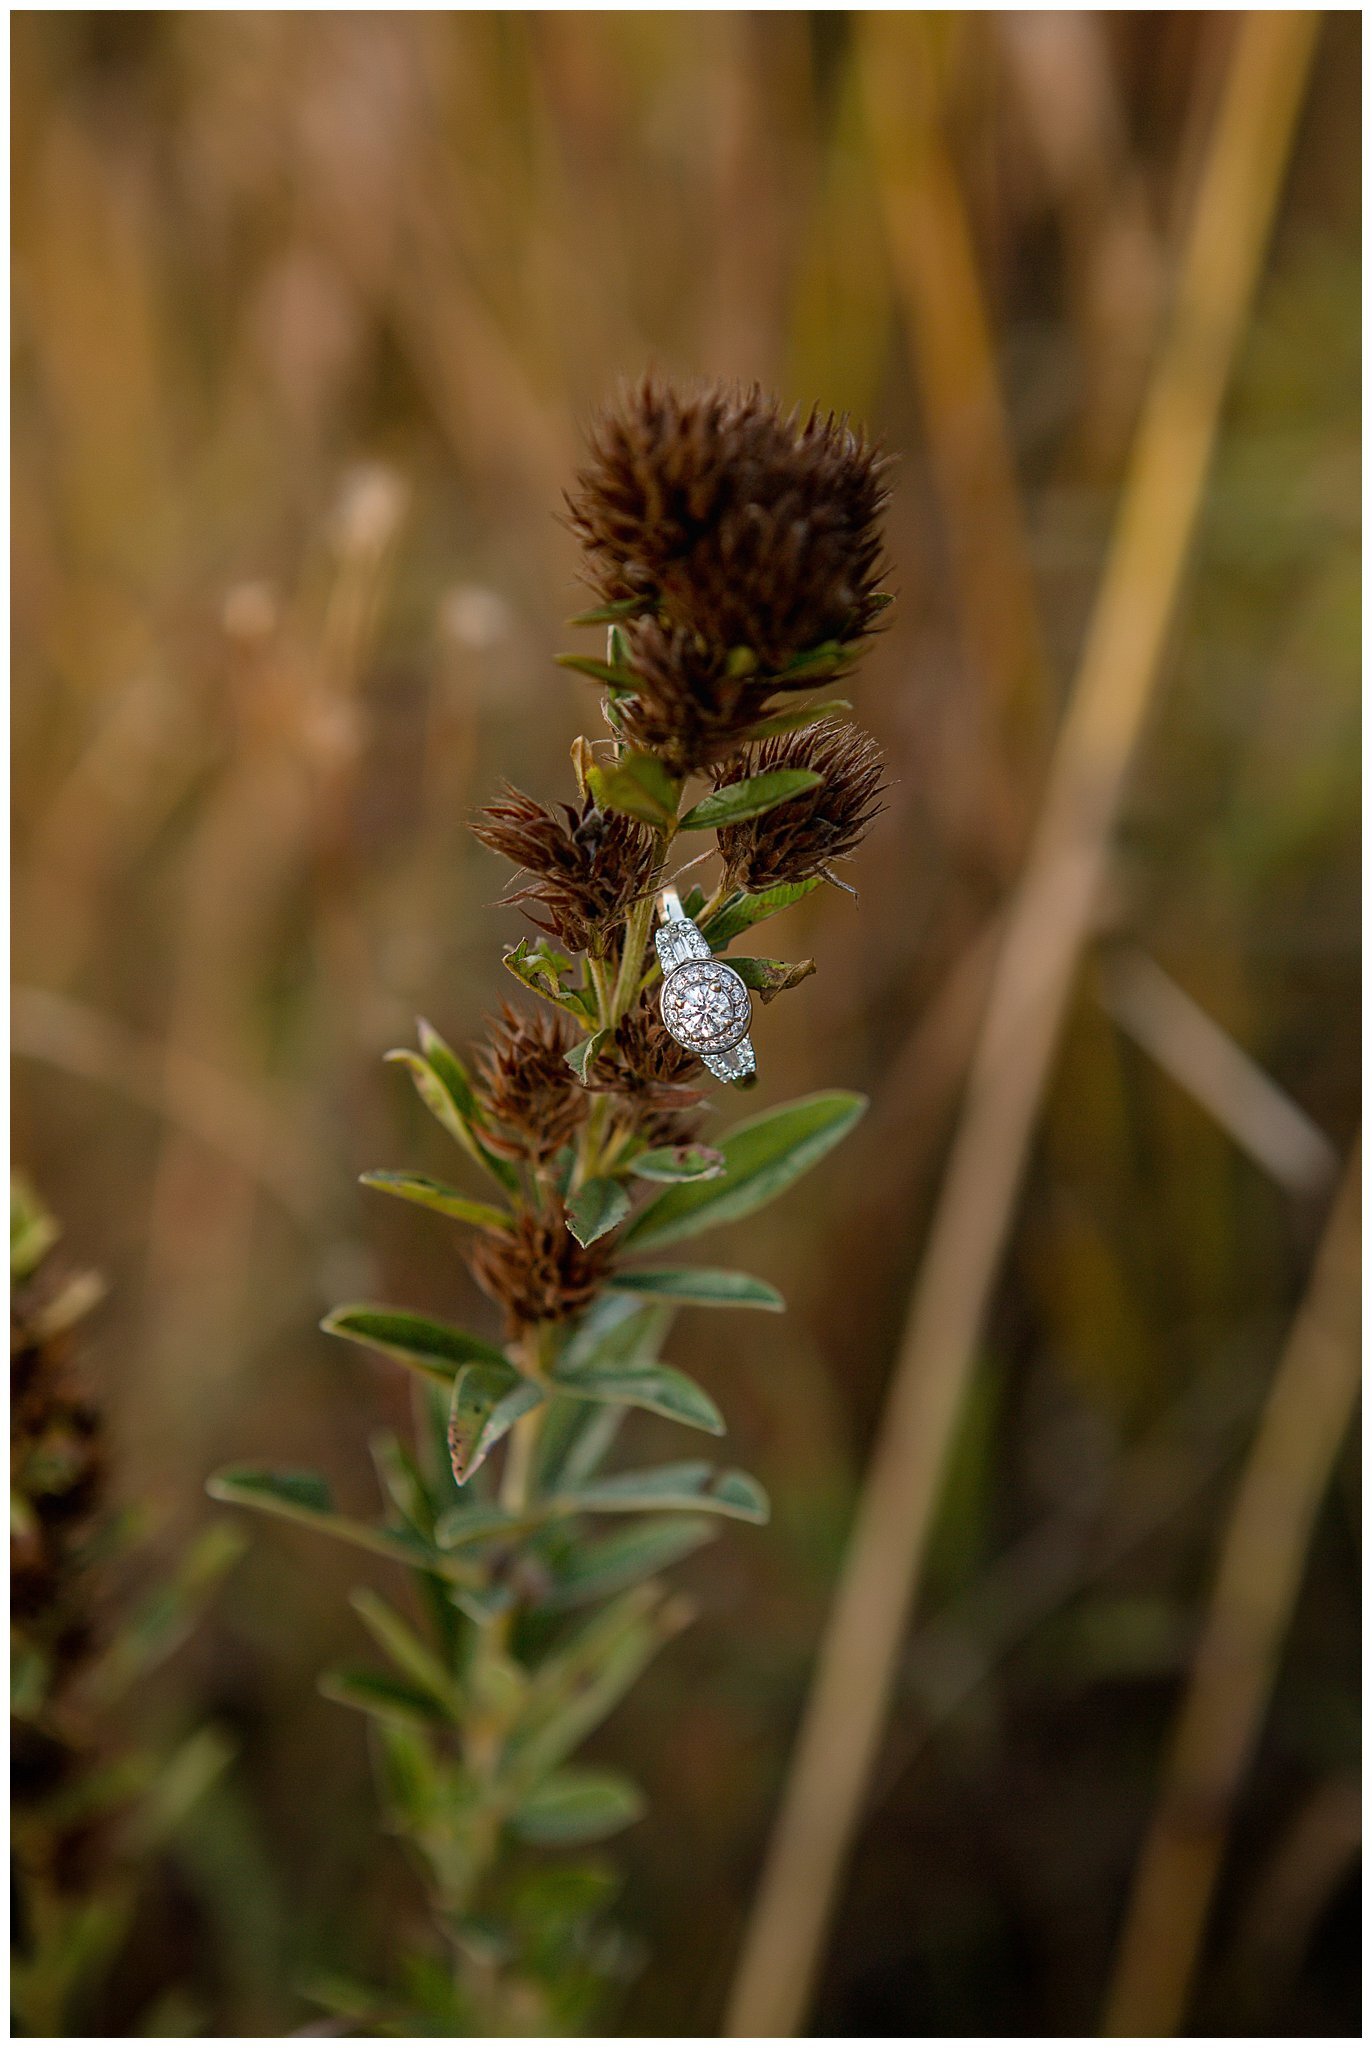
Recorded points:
582,868
57,1465
735,550
737,522
803,837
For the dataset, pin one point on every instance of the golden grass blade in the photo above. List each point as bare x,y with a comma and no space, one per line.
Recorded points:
1048,923
1262,1557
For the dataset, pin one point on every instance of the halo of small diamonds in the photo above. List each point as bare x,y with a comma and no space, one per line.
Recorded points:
706,1006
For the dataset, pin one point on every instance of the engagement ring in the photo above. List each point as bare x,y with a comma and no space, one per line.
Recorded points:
705,1005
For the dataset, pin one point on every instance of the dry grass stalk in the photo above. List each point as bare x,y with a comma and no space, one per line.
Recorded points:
1048,923
1262,1558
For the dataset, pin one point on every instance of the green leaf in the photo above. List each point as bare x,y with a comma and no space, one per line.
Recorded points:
827,655
305,1498
772,977
603,1564
181,1782
708,1285
762,1158
616,1332
679,1162
613,674
442,1085
796,719
433,1349
577,1805
581,1058
597,1206
749,798
606,614
741,910
693,1484
487,1402
639,785
479,1523
305,1494
168,1615
402,1481
409,1653
584,1679
437,1195
540,968
33,1231
387,1698
661,1389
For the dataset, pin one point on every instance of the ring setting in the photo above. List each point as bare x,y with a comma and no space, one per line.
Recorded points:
704,1004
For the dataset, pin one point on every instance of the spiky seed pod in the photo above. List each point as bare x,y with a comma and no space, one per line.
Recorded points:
741,523
650,1078
806,836
526,1087
584,867
687,708
539,1273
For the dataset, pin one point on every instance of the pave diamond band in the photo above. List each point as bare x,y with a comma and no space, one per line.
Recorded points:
705,1005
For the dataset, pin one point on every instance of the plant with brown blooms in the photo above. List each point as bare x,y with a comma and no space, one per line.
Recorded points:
89,1812
735,552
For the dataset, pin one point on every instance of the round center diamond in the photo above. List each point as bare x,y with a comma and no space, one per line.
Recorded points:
706,1006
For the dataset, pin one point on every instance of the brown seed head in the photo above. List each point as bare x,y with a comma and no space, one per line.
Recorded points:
526,1086
584,867
539,1273
650,1076
743,524
806,836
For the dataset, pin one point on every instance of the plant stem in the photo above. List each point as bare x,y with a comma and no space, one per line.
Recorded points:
1048,923
1309,1407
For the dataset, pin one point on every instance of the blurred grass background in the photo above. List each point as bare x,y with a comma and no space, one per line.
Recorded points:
308,310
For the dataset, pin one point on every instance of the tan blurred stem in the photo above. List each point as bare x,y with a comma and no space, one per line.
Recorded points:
934,264
1262,1558
1047,923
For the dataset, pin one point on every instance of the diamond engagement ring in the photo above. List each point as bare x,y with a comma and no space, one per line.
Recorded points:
705,1005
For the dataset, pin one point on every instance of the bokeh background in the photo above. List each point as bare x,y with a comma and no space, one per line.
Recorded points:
309,310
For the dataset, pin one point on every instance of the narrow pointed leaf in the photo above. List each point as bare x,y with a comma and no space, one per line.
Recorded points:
690,1485
709,1286
616,1332
597,1207
606,614
438,1196
680,1162
305,1498
409,1653
741,911
772,977
825,656
443,1087
750,798
603,1564
661,1389
387,1698
612,674
763,1157
574,1688
577,1805
430,1348
487,1402
581,1058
